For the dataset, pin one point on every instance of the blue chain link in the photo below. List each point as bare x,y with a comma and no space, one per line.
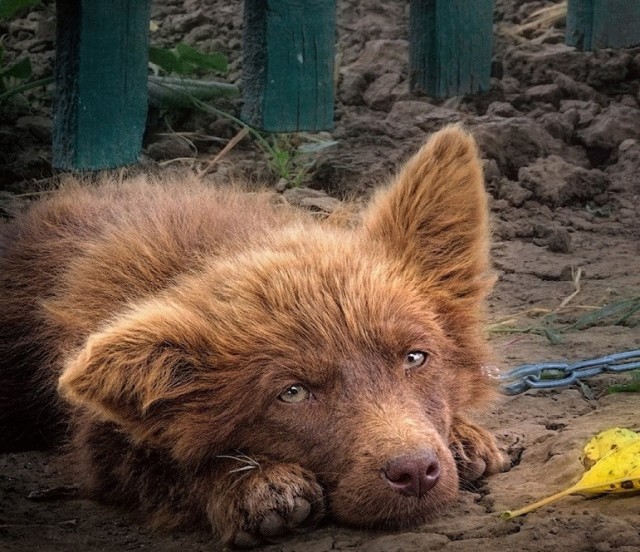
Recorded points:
549,375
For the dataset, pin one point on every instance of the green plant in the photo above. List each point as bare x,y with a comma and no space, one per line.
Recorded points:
632,386
12,75
291,160
625,312
185,60
288,161
181,60
9,7
167,92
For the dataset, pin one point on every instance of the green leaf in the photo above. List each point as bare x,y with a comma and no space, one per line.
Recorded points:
166,59
183,60
554,337
314,147
200,60
9,7
20,70
632,387
621,308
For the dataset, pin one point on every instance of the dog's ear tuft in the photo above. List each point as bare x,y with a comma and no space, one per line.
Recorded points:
434,216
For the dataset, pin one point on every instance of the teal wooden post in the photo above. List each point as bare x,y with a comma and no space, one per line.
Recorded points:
288,64
450,46
603,23
102,52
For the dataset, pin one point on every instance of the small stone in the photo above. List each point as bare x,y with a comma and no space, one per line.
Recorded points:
169,147
578,90
559,241
184,23
315,200
615,124
543,93
380,93
555,182
281,185
409,111
40,127
47,29
634,67
353,85
558,127
378,55
624,174
490,170
629,101
515,194
515,142
502,109
581,112
424,115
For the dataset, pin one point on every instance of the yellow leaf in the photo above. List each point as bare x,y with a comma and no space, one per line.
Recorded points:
605,443
617,471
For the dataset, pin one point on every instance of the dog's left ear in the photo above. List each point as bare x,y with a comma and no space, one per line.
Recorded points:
151,373
434,217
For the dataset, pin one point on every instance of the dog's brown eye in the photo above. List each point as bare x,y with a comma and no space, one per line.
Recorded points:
295,394
415,359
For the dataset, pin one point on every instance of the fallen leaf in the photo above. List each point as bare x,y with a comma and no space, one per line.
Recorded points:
615,454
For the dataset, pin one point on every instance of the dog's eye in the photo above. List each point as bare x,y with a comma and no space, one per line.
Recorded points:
415,359
295,394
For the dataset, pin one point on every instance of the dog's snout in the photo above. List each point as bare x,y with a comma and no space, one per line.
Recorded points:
413,474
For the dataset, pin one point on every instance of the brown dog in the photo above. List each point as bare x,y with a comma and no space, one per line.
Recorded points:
226,361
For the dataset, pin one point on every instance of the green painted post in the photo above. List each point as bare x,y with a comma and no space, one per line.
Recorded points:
450,46
102,53
595,24
288,64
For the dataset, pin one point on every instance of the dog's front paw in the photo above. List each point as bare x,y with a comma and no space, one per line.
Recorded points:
476,451
264,503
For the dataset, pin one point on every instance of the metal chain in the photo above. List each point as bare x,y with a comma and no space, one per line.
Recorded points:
549,375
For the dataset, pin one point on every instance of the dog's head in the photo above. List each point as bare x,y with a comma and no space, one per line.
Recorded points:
345,351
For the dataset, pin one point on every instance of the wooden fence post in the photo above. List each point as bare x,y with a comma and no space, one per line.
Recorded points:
288,64
450,46
603,23
102,52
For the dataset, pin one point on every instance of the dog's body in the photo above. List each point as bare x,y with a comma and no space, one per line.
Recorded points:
230,362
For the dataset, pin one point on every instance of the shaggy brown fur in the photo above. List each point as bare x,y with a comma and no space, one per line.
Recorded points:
224,361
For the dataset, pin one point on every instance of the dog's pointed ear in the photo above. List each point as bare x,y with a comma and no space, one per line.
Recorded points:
434,217
138,371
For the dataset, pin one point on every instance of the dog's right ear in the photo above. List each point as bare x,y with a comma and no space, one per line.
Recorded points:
434,217
141,371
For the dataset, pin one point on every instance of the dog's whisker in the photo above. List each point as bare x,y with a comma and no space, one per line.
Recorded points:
243,468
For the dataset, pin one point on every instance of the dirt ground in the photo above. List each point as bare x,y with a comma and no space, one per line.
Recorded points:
560,132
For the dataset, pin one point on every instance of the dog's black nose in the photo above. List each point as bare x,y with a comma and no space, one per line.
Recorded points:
412,474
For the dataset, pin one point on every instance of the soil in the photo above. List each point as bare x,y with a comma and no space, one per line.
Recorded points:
560,134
